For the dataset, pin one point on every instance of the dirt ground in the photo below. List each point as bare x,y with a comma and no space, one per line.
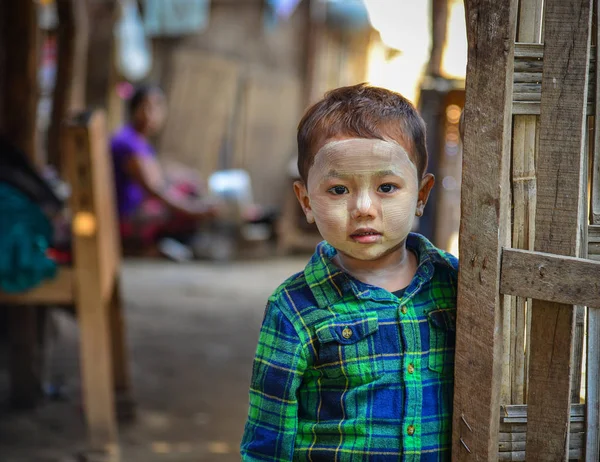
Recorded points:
192,331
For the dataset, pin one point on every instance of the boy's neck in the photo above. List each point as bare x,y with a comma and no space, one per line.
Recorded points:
391,272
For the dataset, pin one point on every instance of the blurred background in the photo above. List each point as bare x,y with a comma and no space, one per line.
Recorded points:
234,78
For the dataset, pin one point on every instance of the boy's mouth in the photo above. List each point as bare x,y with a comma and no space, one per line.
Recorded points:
365,235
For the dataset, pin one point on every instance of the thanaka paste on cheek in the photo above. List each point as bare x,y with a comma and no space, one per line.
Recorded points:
361,166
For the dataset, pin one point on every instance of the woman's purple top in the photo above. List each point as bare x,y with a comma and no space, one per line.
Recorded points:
125,144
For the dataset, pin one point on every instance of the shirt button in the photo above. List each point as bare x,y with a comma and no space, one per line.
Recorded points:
411,368
347,333
404,309
410,430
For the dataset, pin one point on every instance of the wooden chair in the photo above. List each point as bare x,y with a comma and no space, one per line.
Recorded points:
91,284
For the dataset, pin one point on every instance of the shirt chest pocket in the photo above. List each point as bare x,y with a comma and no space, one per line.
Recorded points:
349,349
442,337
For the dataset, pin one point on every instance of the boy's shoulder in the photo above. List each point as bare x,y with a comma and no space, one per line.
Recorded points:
438,256
451,260
293,293
299,298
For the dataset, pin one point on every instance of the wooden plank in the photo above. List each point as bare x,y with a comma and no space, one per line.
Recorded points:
592,395
580,325
521,435
25,359
574,454
69,88
575,427
560,164
485,205
595,215
592,388
534,54
125,404
523,187
517,413
439,19
20,76
526,108
92,312
594,242
595,174
98,184
554,278
534,49
576,444
58,291
577,357
18,96
533,108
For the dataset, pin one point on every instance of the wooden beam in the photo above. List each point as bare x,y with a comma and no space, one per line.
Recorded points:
485,205
58,291
439,27
20,75
313,42
85,140
554,278
19,106
69,89
592,388
523,202
592,397
594,242
560,167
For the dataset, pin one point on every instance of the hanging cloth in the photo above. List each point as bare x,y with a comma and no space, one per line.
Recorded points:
25,234
175,17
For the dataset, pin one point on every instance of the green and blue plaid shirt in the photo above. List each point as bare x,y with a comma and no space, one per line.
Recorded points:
346,371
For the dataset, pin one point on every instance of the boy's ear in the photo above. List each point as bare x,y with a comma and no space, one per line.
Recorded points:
302,195
424,189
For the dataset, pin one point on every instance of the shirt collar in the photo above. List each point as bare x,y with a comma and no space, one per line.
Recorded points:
329,284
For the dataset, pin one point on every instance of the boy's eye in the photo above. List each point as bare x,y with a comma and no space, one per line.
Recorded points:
338,190
387,188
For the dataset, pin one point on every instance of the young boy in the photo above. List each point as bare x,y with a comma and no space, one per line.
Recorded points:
356,353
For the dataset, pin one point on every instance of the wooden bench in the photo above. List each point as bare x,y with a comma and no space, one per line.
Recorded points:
91,284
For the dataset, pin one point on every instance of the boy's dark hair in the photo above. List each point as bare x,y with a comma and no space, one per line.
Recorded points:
361,111
139,96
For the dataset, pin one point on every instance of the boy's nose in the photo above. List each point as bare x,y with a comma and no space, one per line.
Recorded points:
363,206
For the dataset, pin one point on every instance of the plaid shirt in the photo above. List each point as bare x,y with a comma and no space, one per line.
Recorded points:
346,371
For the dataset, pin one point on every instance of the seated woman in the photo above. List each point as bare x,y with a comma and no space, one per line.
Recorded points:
153,202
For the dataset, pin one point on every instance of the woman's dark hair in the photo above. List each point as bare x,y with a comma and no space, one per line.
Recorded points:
139,96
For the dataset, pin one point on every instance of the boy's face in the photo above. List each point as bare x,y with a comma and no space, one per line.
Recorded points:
363,195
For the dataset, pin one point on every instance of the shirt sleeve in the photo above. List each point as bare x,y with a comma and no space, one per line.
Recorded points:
278,369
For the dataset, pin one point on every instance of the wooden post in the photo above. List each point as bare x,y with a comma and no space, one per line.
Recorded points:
485,206
524,194
120,357
85,143
439,26
20,74
592,389
560,166
69,89
19,106
101,68
315,15
592,396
